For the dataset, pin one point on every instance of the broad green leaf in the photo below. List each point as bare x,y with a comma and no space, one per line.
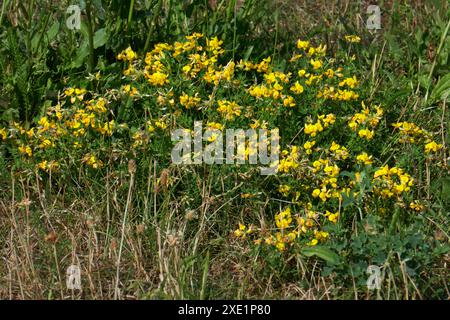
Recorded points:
53,31
82,53
442,89
323,253
100,38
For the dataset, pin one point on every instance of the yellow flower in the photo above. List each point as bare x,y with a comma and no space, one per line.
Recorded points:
131,91
365,133
284,189
381,172
92,161
283,219
364,158
189,102
43,165
214,45
69,91
308,146
302,44
295,57
316,193
297,88
161,124
229,109
432,147
352,38
417,206
3,133
26,150
316,64
128,54
332,216
329,73
301,73
313,129
321,235
246,195
158,78
46,143
80,93
289,102
241,231
334,146
215,125
280,246
349,82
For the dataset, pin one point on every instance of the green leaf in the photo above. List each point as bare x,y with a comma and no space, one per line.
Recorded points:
442,89
100,38
53,31
82,54
323,253
248,52
446,189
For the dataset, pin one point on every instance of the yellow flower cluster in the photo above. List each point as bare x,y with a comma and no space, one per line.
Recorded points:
352,38
3,133
129,56
308,146
390,182
417,206
349,82
327,172
338,152
261,67
366,121
337,95
243,231
229,109
64,129
189,102
364,158
92,161
323,121
290,227
411,133
289,160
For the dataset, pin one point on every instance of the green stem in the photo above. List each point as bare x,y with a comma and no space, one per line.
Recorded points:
4,5
234,29
277,13
30,19
394,219
90,37
152,26
169,16
130,13
438,52
47,19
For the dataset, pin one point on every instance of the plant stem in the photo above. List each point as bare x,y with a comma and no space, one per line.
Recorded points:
169,16
234,29
152,26
130,13
90,37
47,19
4,5
277,14
30,19
438,52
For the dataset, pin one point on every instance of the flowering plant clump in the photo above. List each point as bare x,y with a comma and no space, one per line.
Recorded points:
329,167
